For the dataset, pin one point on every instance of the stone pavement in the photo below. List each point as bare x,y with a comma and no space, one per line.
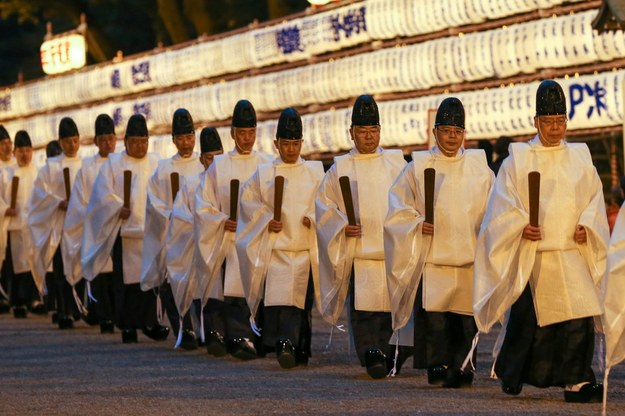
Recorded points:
81,372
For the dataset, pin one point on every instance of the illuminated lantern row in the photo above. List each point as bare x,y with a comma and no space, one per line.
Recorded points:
295,39
593,101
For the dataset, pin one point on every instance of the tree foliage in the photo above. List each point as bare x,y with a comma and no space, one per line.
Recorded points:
121,25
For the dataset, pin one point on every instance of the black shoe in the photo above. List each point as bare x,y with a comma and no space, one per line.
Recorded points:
129,336
437,375
285,353
38,308
5,306
19,312
242,348
511,390
456,379
157,332
107,327
188,341
589,393
215,344
65,322
301,357
375,361
90,319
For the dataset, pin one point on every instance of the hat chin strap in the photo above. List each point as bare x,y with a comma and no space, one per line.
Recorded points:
442,149
241,151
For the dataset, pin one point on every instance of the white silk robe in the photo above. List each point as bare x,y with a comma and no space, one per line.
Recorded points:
21,241
445,259
102,222
44,217
614,318
181,257
371,176
159,206
276,266
566,278
212,209
76,211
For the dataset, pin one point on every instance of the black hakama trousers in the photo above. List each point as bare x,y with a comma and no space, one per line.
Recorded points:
554,355
290,322
134,308
441,338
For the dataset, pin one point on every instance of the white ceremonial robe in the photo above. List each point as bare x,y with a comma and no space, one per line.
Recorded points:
102,223
212,203
614,317
276,266
445,259
76,211
566,278
21,240
8,163
159,206
180,246
371,177
45,218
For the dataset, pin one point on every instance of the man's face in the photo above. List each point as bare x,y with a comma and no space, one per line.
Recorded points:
289,149
70,145
5,149
449,139
551,129
23,156
106,144
366,138
244,138
136,146
185,144
207,158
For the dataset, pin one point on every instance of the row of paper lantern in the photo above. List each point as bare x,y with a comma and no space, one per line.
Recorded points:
302,38
387,20
593,101
422,66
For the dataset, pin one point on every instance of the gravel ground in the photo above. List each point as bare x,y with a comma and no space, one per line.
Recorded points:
48,371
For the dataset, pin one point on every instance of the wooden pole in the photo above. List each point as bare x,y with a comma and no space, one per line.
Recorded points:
234,198
533,179
346,190
430,182
277,197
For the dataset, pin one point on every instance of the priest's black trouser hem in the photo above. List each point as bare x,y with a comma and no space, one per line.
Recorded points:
554,355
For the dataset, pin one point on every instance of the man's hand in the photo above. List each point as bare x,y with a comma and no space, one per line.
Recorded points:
427,228
230,225
124,213
306,222
275,226
353,231
10,212
63,205
531,233
580,234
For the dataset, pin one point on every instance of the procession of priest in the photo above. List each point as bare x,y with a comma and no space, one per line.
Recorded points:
238,248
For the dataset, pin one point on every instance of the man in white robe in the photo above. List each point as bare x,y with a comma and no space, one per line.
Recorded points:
47,212
112,228
547,279
220,282
16,245
6,160
278,258
181,255
430,265
351,257
160,202
105,140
